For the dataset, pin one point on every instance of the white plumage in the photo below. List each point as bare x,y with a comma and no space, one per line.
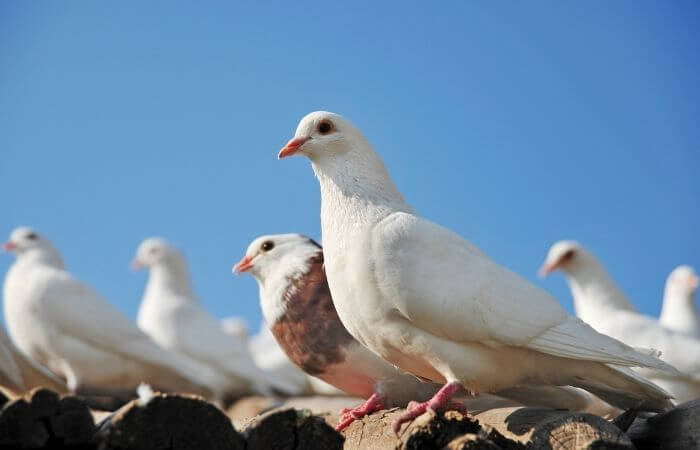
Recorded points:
171,314
431,303
63,324
679,312
599,302
20,374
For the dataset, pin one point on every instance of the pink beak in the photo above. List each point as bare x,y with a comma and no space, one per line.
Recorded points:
243,265
135,265
693,282
292,147
9,246
547,268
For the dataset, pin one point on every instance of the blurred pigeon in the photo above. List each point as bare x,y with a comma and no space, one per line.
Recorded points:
599,302
235,326
296,301
171,314
59,322
679,312
20,374
431,303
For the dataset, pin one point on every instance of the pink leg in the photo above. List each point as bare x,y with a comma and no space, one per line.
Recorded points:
439,402
348,416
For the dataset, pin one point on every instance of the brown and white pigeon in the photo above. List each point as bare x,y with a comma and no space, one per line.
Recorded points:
297,303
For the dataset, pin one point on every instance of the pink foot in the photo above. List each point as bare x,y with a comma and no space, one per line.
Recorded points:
348,416
439,402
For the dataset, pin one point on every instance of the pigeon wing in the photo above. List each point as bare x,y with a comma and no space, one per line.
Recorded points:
444,285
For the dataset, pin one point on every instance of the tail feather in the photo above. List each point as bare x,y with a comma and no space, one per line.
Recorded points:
625,389
575,339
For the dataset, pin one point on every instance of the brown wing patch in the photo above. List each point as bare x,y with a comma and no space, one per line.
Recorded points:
310,331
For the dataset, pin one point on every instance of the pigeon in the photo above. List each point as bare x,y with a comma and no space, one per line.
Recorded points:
57,321
235,326
20,374
678,312
171,315
296,301
431,303
599,302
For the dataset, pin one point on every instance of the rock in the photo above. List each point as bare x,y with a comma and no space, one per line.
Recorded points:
18,429
44,420
173,422
289,429
450,430
678,428
578,431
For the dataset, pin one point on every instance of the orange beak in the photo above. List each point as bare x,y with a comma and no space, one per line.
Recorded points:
9,246
135,265
693,282
548,268
292,147
243,265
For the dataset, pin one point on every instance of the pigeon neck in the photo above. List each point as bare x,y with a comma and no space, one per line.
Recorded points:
172,275
309,330
44,256
679,312
356,190
595,292
280,280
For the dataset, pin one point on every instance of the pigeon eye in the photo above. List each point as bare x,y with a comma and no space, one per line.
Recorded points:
32,236
325,127
568,256
267,246
152,250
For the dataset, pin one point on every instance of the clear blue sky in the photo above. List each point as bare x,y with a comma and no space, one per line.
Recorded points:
515,126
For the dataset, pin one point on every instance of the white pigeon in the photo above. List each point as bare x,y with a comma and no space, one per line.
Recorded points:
431,303
599,302
296,302
235,326
61,323
679,312
171,315
20,374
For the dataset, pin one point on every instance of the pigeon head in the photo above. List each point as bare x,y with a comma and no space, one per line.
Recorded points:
283,254
321,134
563,255
154,251
284,265
342,157
683,281
25,242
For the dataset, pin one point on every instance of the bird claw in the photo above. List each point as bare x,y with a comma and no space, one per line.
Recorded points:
440,402
349,415
415,409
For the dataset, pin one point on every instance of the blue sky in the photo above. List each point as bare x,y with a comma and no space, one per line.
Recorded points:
515,126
